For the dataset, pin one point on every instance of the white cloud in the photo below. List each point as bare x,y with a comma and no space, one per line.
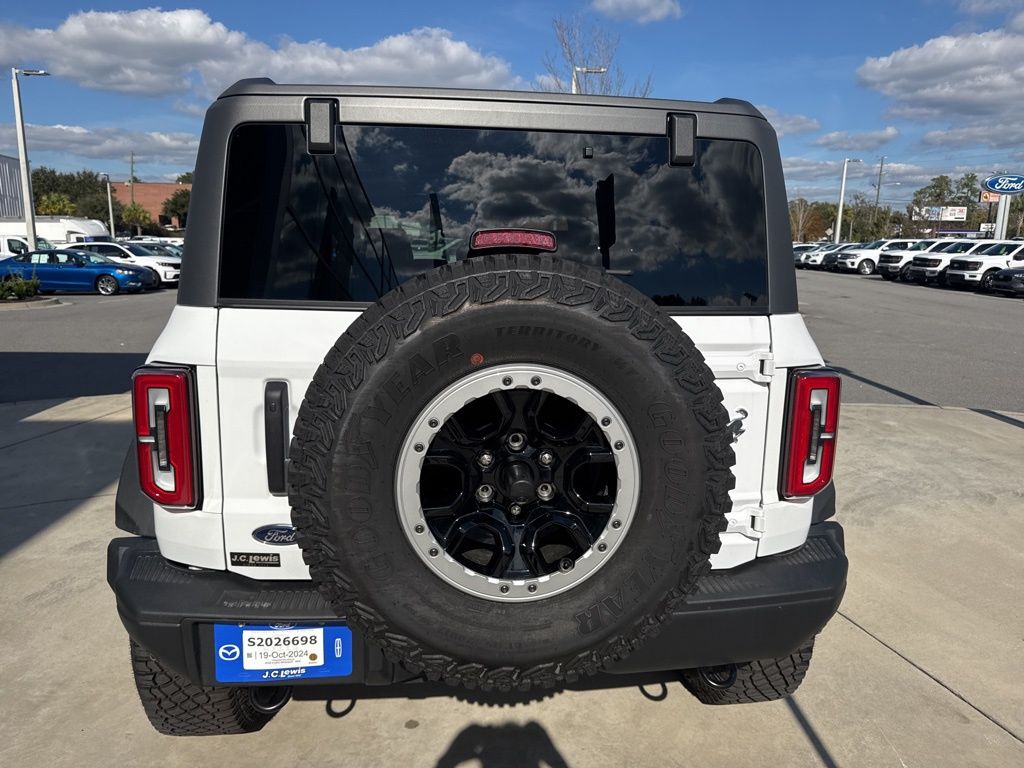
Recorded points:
106,143
866,140
981,7
971,82
787,125
155,52
969,74
640,11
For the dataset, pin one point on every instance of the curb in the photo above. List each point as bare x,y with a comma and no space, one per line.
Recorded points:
41,304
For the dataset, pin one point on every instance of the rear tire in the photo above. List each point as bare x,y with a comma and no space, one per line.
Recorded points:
177,707
749,682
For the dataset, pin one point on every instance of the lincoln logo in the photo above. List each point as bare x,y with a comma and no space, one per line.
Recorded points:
1008,184
278,535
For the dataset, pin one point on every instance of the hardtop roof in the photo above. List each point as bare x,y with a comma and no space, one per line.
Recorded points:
264,86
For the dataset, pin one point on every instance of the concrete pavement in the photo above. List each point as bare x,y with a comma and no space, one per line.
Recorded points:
922,667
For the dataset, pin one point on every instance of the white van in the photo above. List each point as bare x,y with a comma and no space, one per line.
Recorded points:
58,230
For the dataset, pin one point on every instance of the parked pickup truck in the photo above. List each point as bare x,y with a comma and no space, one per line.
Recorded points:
979,270
895,264
932,267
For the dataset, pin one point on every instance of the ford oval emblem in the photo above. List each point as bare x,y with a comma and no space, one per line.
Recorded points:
278,535
1005,183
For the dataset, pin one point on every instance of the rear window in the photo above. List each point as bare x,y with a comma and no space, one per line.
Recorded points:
395,201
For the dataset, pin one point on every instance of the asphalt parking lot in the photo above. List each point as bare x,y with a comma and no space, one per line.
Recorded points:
920,668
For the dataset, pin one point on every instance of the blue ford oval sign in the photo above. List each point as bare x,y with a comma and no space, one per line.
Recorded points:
278,535
1005,183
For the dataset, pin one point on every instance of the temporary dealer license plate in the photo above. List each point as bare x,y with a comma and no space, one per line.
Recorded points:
256,653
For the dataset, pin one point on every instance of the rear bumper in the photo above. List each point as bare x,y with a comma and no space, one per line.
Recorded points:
764,609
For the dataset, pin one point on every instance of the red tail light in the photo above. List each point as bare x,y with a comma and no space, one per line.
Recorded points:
810,447
510,239
163,409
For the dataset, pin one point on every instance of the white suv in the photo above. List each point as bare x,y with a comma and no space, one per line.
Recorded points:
978,269
166,267
895,263
931,267
863,260
391,436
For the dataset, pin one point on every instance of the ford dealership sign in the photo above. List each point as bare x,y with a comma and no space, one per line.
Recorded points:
1005,183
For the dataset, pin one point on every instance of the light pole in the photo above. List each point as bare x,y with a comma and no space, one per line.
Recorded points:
586,71
110,205
26,178
842,195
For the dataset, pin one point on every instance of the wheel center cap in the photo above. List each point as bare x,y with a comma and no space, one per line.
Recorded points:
519,481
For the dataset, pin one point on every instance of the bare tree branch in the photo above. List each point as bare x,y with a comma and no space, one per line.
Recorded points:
584,44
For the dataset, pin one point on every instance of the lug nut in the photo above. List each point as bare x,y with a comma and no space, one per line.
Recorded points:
566,564
485,459
545,491
516,441
619,445
602,547
504,588
484,493
507,381
433,552
535,381
433,423
532,587
419,529
546,457
606,422
515,509
616,524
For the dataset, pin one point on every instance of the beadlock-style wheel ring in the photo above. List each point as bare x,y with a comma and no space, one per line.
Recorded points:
518,474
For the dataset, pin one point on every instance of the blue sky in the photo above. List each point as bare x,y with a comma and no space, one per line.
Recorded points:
935,85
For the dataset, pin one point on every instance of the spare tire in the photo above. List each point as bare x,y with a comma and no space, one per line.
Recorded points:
509,470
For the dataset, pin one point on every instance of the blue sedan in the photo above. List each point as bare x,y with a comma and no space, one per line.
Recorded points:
70,270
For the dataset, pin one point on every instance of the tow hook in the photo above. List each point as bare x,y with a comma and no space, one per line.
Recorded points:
736,425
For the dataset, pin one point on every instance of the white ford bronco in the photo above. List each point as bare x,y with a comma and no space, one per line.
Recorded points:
500,390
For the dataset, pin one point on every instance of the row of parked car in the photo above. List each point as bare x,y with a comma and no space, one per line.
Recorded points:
991,266
101,266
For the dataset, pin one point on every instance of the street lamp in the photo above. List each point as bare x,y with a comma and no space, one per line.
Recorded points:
26,178
110,204
586,71
842,195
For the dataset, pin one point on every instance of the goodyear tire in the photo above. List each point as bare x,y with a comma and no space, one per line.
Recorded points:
356,438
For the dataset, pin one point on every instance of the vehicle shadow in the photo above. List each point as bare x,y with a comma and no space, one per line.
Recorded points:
46,476
47,375
508,745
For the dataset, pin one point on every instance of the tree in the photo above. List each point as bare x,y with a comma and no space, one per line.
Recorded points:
134,215
584,44
46,181
801,214
55,204
176,206
1016,214
184,178
94,206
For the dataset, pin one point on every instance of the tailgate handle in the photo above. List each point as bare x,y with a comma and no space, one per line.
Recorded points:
275,424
